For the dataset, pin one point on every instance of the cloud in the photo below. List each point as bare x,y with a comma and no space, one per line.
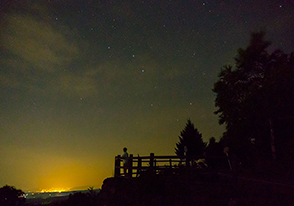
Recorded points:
34,52
41,56
38,57
76,85
36,43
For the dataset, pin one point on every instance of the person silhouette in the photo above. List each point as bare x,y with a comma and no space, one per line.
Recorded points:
125,158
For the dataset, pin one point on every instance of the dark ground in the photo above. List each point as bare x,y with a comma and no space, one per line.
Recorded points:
184,188
196,188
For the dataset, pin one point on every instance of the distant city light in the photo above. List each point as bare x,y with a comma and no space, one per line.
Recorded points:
54,190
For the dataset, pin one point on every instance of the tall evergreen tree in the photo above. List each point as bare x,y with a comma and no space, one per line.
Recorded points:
191,139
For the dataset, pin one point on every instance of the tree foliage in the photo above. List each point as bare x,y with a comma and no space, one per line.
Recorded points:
10,196
258,88
192,139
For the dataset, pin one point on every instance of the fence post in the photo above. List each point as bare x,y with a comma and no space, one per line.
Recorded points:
130,172
170,163
187,161
117,166
151,163
139,166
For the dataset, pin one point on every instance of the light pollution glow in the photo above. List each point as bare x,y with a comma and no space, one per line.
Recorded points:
54,190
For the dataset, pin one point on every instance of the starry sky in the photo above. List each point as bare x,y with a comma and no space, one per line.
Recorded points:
80,80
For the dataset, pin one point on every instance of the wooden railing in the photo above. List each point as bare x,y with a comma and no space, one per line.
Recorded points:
151,163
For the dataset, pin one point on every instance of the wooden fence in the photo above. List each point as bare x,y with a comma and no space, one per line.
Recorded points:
152,163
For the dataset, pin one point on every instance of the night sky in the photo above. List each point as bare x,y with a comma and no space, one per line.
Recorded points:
80,80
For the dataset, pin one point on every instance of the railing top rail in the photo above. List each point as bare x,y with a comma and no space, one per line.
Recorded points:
160,157
157,157
172,157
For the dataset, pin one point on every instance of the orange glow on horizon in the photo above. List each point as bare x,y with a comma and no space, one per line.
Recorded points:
54,190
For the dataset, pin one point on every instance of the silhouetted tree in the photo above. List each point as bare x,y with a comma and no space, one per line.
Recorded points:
253,94
9,196
191,139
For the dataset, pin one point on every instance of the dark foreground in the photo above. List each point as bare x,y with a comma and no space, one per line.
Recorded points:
194,189
182,189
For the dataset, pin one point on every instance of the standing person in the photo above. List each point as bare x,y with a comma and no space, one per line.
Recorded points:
125,158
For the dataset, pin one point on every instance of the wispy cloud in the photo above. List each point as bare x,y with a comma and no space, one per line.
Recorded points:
34,54
36,43
76,85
